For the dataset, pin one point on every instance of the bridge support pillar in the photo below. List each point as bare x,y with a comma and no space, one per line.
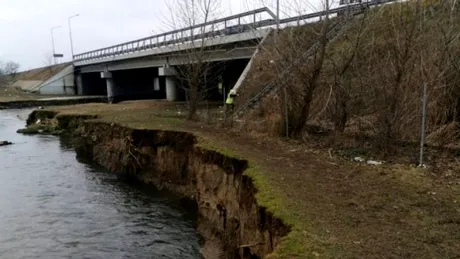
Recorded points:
79,84
171,91
110,86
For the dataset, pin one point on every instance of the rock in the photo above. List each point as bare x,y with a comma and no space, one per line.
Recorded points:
5,143
32,130
359,159
43,129
27,131
372,162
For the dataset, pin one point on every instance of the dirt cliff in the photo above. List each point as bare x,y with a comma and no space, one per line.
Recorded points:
231,222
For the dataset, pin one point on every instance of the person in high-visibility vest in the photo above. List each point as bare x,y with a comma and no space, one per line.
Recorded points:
230,102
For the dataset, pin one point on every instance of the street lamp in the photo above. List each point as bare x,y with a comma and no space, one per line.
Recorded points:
52,42
70,33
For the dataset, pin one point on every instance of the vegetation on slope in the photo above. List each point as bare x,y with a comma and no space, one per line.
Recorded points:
370,83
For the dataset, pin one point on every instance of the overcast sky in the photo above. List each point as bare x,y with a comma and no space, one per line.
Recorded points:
25,25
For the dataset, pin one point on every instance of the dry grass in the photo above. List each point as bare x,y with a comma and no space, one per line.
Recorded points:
338,209
400,47
41,74
9,94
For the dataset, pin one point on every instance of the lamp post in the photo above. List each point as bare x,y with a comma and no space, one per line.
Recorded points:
52,42
70,33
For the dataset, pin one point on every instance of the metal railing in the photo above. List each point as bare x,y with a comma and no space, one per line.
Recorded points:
349,8
234,24
225,26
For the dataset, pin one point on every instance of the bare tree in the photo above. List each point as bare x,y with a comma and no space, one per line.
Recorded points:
306,49
11,68
2,76
8,72
372,77
197,75
343,75
48,61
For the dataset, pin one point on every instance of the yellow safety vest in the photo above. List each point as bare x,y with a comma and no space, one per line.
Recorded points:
229,99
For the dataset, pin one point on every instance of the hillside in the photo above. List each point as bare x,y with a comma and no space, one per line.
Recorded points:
41,74
369,82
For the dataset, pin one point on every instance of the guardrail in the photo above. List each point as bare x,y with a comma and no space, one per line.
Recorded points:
234,24
224,26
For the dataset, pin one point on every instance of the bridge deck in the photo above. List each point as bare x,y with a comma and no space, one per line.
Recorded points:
240,27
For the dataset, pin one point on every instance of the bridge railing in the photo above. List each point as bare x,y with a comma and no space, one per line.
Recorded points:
234,24
225,26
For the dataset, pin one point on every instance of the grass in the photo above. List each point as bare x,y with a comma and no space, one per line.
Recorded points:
10,94
336,208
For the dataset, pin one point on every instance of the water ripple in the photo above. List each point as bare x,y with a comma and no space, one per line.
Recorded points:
52,206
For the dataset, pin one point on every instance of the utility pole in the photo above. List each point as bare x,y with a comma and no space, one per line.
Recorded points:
52,42
70,34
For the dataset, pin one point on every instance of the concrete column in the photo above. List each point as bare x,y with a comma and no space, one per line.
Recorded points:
156,84
110,90
79,84
171,90
110,86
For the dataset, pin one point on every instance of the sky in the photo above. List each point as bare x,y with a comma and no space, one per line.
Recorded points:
25,25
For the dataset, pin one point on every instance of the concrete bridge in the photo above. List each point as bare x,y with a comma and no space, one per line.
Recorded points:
147,67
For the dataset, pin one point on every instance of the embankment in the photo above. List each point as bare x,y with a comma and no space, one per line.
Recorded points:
231,221
50,102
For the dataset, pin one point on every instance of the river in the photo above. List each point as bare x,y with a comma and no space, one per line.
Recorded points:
54,206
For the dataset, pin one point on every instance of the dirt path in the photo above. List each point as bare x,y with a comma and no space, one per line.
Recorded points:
349,210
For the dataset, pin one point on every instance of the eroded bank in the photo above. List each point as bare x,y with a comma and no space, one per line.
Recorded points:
231,222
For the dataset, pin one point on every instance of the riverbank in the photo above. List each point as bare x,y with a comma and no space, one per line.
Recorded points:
11,98
57,206
251,191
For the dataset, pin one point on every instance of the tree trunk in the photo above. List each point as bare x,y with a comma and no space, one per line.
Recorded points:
193,102
301,120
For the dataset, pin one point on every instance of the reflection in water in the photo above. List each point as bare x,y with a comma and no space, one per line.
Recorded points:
52,206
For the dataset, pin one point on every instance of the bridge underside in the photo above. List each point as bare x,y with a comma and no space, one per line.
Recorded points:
161,76
234,51
152,82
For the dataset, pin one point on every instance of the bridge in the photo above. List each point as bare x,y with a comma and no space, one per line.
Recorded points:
147,67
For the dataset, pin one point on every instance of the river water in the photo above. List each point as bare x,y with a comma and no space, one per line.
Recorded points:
53,206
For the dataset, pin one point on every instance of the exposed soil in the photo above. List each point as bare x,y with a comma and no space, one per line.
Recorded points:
230,220
336,208
352,210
